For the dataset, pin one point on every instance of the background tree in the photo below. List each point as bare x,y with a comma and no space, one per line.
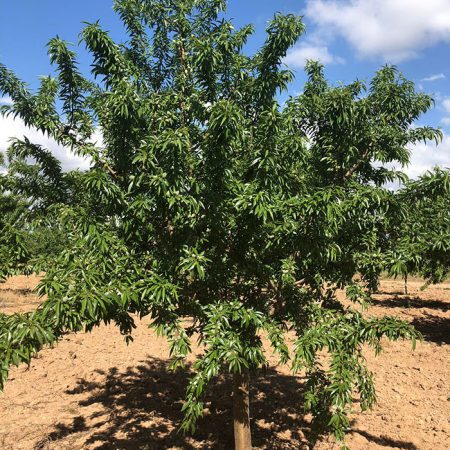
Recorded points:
32,188
419,240
13,251
214,210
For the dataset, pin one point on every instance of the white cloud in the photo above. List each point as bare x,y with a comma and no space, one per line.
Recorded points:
393,30
10,127
438,97
426,156
438,76
297,57
446,104
446,107
5,100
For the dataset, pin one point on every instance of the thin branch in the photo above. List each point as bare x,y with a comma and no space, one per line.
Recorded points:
357,165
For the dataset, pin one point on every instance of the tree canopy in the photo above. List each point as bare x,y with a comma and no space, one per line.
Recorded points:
214,209
419,241
31,187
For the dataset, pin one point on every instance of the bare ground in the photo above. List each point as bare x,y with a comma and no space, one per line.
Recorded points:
92,391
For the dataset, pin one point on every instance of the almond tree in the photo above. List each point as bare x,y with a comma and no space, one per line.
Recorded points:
31,186
215,210
13,251
419,240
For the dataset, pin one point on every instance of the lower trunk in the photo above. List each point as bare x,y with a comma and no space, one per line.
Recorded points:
406,284
241,411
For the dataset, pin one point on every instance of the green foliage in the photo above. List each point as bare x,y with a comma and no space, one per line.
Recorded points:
13,248
419,241
32,187
211,208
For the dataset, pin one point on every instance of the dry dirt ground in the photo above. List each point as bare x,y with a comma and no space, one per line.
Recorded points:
93,392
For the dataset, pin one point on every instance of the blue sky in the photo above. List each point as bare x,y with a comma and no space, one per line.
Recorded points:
351,37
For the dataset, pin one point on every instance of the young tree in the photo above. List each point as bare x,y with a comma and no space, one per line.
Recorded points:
31,188
13,251
209,201
419,240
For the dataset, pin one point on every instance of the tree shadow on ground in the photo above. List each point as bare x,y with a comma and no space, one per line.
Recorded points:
385,441
433,328
406,301
140,408
17,291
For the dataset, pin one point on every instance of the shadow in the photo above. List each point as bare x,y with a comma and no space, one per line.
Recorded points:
61,431
141,409
405,301
385,441
18,291
78,424
389,292
433,328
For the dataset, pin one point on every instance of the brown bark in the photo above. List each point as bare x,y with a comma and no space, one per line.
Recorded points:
241,411
357,165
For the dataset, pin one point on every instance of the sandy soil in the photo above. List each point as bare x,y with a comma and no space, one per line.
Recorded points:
93,392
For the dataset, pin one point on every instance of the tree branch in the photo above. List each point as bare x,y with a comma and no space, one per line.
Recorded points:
357,165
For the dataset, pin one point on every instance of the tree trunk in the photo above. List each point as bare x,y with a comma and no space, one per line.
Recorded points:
406,284
241,411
